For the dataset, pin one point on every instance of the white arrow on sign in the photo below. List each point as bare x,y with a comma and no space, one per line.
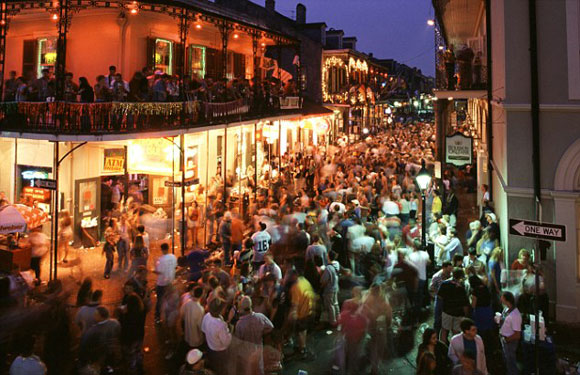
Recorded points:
523,229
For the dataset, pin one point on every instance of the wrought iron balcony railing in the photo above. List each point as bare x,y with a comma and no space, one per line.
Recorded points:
125,117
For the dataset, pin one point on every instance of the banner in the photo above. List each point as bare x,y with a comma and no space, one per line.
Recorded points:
458,150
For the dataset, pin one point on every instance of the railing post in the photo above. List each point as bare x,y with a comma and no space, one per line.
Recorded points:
3,30
60,68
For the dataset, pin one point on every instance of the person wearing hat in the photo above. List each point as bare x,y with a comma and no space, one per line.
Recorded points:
195,364
250,329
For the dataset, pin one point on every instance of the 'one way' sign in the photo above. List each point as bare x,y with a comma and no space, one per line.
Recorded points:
534,229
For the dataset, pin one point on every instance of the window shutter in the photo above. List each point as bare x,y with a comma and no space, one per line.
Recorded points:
29,57
239,66
151,53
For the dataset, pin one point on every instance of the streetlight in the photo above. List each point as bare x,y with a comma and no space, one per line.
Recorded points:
423,179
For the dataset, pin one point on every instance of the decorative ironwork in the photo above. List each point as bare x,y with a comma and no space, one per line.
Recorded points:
63,24
225,30
3,29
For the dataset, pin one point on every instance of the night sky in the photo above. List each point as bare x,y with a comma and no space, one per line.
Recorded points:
388,28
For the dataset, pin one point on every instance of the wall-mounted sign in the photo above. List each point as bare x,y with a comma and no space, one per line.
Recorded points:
458,150
37,194
114,160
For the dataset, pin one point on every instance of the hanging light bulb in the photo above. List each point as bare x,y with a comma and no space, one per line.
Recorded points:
55,17
236,36
198,26
133,11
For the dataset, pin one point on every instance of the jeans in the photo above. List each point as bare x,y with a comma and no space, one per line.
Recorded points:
509,353
419,297
160,291
109,264
227,250
123,259
438,311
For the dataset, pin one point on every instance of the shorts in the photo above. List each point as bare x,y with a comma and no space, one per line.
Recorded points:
451,323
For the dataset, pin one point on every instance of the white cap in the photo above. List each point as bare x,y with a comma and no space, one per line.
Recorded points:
194,356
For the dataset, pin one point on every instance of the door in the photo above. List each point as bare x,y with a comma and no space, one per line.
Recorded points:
87,211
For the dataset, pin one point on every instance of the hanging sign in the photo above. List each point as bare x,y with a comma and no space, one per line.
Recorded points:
114,160
458,150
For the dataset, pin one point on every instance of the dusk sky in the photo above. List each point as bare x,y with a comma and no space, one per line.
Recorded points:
388,28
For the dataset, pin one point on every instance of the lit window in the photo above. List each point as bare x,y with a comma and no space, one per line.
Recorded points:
196,60
164,55
46,54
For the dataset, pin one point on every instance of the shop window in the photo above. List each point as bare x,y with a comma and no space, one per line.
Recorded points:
163,55
46,54
196,58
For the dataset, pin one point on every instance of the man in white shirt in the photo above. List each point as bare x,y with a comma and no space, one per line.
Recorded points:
510,332
420,259
390,208
271,267
218,337
262,241
165,270
191,314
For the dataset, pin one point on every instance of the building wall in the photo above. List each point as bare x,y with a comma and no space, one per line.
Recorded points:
98,38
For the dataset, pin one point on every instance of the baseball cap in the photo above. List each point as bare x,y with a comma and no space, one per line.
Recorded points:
194,356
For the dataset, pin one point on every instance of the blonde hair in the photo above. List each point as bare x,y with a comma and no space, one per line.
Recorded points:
496,254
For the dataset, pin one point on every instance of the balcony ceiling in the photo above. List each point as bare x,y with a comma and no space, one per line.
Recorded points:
459,17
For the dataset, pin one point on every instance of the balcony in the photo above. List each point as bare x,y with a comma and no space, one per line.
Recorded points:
68,118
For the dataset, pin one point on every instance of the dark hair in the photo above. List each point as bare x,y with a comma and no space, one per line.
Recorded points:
213,282
141,228
446,264
197,292
509,297
97,295
466,324
84,292
112,67
164,247
249,243
215,307
103,312
134,305
427,336
263,226
458,273
332,255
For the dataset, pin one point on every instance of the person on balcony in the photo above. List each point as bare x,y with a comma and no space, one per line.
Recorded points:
160,88
85,91
110,79
449,58
102,91
40,89
70,88
21,90
120,89
137,91
11,85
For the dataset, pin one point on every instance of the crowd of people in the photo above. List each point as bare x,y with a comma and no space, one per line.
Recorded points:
334,242
145,86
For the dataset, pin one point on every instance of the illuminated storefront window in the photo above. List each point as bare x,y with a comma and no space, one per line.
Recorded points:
164,55
46,54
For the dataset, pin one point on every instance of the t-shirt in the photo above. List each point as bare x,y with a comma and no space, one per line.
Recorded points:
27,365
420,259
302,296
512,322
165,268
390,208
330,277
261,241
454,298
